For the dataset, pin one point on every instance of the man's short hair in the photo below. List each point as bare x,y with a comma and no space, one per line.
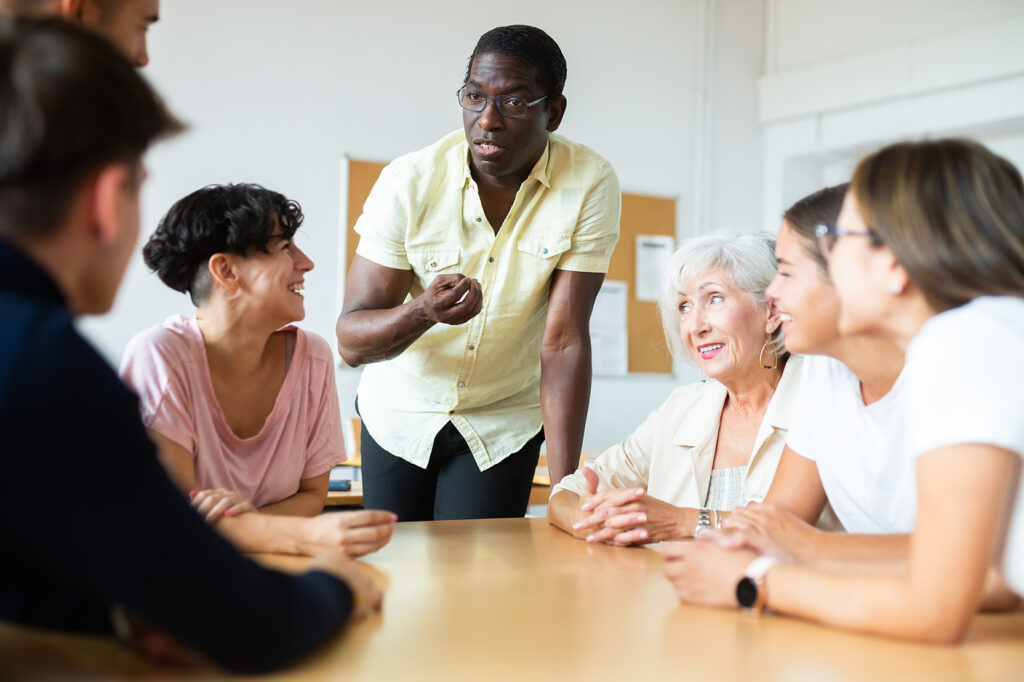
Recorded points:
531,46
69,103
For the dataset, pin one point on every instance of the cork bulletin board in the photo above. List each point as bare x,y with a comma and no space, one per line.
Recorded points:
641,215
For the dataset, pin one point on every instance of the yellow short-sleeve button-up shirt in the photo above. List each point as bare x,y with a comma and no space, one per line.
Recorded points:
424,214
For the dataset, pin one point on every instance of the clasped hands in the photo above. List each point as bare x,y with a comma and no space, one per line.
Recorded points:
623,516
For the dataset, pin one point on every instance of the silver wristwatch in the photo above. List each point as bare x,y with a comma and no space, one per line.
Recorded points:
703,522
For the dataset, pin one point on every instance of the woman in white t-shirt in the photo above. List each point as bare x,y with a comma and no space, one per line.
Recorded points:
847,407
929,254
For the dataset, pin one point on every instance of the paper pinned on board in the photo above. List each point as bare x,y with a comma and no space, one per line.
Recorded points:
609,337
653,252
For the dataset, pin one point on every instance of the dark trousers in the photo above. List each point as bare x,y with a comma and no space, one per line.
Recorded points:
452,486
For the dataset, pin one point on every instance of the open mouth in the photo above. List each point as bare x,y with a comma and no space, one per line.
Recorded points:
486,148
296,288
785,318
710,350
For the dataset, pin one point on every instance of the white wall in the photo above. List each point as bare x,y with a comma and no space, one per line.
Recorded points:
848,76
279,92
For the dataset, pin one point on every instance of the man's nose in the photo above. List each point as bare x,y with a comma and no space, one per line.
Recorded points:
490,117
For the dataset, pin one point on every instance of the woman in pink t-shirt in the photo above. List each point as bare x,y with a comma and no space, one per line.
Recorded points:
243,405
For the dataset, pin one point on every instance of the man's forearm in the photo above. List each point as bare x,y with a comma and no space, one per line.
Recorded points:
373,335
564,399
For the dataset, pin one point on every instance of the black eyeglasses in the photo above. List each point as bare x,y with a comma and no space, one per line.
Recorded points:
512,106
827,235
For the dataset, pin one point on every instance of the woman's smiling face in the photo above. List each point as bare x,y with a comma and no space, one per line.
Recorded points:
722,327
803,296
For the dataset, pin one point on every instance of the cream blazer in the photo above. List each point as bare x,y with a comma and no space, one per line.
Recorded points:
671,453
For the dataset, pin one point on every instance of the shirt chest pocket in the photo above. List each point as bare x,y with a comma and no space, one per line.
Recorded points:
545,249
537,259
429,262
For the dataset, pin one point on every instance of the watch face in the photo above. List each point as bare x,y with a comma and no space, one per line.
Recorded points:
746,593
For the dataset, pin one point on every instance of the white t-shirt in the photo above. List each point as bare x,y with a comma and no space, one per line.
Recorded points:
871,488
965,384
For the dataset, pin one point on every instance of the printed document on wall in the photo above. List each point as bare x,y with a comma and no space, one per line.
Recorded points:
609,336
653,252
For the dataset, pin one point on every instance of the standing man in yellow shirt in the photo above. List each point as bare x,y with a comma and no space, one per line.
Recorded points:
478,264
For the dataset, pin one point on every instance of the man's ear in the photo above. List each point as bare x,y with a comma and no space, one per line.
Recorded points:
556,110
74,10
110,185
223,272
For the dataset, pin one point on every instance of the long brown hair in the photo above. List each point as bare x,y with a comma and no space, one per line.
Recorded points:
952,212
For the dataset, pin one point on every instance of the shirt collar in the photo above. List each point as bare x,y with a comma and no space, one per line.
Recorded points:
701,422
540,172
21,275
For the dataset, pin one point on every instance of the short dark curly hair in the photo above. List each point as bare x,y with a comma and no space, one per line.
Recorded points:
531,46
236,218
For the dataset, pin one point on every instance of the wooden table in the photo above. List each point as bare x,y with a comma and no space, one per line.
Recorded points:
515,599
354,498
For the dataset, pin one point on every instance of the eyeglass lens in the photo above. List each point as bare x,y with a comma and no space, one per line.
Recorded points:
509,105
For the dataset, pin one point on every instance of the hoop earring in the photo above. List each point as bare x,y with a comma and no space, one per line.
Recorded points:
775,355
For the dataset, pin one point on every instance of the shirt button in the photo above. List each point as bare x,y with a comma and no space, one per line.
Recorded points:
451,411
434,264
472,347
479,219
462,384
491,259
543,250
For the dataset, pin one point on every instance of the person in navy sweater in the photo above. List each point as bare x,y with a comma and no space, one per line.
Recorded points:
130,556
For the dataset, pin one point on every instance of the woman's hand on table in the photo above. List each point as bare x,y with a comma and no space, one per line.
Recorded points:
355,532
627,517
769,529
367,592
704,572
216,502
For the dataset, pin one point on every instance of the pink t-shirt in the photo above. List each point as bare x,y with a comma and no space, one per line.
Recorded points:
301,438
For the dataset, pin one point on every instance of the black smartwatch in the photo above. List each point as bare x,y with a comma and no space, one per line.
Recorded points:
750,591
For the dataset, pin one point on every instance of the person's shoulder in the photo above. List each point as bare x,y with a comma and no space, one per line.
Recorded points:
1002,315
172,340
317,346
51,358
33,331
566,153
985,331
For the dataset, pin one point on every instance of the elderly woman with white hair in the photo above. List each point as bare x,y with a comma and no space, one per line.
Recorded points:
711,446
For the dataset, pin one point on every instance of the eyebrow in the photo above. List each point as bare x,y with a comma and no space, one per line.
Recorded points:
513,87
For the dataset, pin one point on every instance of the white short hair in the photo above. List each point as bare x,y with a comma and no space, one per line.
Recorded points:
748,260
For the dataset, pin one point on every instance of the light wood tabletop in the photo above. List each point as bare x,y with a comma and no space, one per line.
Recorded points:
515,599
